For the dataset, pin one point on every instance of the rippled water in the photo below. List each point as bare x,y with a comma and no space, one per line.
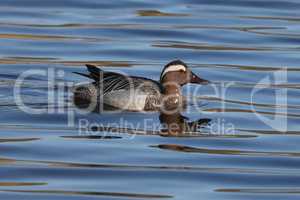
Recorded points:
241,43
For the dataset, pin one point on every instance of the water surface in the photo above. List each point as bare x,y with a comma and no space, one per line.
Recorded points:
241,43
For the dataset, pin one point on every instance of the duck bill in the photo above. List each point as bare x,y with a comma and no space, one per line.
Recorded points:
197,80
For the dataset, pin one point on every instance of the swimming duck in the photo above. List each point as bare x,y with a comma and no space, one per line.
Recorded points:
137,93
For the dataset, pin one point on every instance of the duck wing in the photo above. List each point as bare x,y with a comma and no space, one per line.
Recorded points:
96,73
112,81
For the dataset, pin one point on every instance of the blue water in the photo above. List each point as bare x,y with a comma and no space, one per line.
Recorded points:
239,46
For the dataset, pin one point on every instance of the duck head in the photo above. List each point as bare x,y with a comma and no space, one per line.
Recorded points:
174,75
177,72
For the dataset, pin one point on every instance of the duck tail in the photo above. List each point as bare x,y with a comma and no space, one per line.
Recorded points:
94,71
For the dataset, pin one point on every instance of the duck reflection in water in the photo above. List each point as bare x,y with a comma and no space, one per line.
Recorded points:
175,124
172,123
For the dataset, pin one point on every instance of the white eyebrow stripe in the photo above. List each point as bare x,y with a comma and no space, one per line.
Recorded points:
173,68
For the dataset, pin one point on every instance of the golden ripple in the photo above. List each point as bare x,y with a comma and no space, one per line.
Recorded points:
7,161
278,190
145,26
75,25
46,37
92,193
286,35
199,46
2,140
55,164
270,132
13,184
188,149
37,60
92,137
293,19
156,13
237,110
255,68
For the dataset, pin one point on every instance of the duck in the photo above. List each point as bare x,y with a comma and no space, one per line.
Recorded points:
134,93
